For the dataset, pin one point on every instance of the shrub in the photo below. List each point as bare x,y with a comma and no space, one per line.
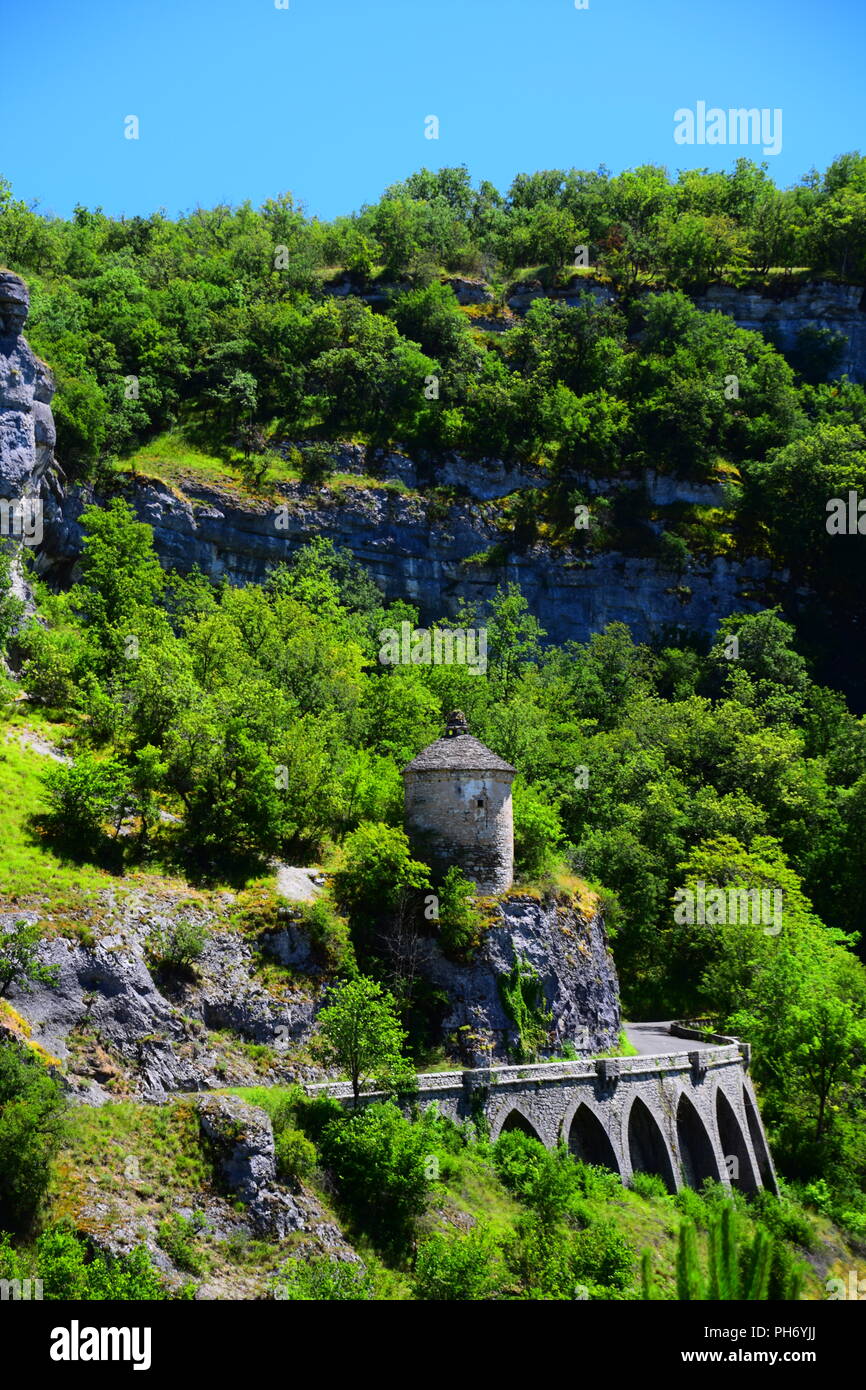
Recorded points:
378,1161
673,551
70,1271
782,1217
19,958
597,1183
517,1158
50,664
314,1116
296,1155
456,1267
322,1279
329,935
540,1256
691,1204
377,869
757,1271
460,923
550,1183
315,461
176,947
552,1191
176,1235
602,1256
648,1185
31,1127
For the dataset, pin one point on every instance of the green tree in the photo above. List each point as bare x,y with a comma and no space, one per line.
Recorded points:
84,794
32,1110
122,581
19,958
377,870
360,1032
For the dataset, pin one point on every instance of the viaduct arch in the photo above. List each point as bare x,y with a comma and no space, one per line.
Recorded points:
686,1115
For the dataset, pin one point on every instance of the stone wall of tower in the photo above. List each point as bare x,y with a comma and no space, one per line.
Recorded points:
463,818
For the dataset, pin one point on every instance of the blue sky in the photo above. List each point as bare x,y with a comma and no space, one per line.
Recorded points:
238,99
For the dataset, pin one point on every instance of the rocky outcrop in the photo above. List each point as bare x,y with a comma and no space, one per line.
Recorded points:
27,435
483,480
567,949
114,1024
242,1141
526,292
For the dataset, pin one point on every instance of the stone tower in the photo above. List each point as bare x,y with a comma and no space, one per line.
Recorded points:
458,808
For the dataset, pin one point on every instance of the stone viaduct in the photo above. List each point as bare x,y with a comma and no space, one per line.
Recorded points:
686,1115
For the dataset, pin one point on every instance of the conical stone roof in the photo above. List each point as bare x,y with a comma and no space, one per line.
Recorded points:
458,751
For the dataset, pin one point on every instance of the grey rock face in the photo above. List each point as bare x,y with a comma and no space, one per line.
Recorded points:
469,291
524,293
415,552
157,1028
571,957
27,434
228,998
14,304
819,304
109,986
243,1142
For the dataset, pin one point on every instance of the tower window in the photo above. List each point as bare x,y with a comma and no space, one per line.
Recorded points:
481,803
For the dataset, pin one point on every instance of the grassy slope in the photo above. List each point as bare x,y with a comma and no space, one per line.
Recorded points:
92,1185
34,872
172,460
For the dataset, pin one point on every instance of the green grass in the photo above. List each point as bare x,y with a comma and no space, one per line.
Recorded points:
29,867
623,1048
178,463
145,1154
173,460
33,872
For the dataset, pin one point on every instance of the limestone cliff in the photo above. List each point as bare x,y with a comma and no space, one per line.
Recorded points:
416,552
840,309
120,1027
